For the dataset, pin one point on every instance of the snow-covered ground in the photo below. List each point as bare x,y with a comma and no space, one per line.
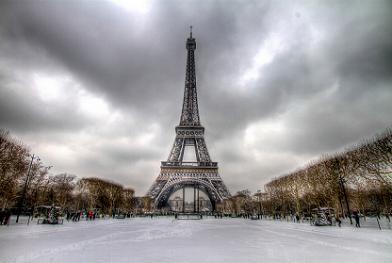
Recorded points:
207,240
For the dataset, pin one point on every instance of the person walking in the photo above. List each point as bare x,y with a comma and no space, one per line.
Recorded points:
338,220
7,217
2,216
356,217
329,219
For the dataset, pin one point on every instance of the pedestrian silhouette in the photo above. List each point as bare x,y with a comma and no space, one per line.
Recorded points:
356,217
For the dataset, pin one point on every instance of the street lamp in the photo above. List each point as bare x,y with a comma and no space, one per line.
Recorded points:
23,197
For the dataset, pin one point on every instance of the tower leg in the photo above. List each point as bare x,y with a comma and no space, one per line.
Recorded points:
183,199
194,198
198,199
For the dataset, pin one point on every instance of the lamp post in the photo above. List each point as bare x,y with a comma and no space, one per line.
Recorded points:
23,197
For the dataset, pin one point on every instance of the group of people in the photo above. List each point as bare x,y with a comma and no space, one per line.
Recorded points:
355,216
91,215
324,217
5,216
75,216
338,220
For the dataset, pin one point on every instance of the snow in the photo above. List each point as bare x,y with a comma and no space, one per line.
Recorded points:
207,240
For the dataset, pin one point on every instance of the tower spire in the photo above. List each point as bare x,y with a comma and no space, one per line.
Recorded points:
190,109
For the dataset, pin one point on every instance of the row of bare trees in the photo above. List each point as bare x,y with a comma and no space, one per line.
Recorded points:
108,197
240,203
25,182
359,179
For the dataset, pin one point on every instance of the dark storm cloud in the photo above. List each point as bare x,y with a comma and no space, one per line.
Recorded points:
327,86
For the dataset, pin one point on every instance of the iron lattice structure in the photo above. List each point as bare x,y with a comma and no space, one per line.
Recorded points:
176,173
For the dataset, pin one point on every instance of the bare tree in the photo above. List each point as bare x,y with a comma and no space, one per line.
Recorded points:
13,166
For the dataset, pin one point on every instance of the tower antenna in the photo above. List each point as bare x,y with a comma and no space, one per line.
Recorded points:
191,31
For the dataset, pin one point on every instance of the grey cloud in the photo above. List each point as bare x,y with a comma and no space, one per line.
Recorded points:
328,93
21,112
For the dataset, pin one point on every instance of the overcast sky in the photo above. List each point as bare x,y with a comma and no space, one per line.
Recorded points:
95,88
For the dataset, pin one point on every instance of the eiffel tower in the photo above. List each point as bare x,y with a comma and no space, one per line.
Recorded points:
178,172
